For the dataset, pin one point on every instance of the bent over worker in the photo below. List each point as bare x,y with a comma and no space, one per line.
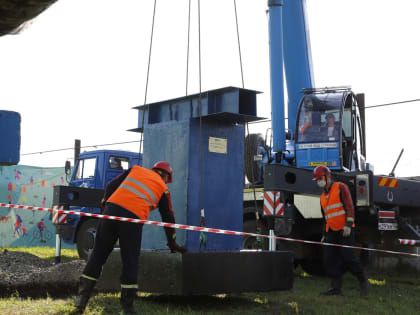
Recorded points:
132,195
338,212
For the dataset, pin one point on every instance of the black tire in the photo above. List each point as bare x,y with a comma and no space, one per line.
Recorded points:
252,170
85,238
251,242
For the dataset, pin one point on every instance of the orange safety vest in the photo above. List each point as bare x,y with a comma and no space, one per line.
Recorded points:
140,191
333,208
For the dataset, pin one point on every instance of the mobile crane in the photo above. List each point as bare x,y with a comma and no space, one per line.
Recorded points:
386,207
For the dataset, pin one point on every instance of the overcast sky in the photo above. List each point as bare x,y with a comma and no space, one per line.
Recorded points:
78,70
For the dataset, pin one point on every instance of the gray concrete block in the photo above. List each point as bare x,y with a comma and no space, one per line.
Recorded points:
206,272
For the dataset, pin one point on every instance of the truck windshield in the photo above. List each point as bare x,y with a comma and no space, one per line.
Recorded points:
320,119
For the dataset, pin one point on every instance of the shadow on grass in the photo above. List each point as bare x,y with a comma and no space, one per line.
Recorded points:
110,303
221,302
64,258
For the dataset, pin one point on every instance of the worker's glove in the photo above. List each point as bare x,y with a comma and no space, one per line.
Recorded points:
323,239
346,231
171,237
176,248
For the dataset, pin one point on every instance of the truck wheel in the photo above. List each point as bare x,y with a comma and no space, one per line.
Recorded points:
253,144
86,237
251,242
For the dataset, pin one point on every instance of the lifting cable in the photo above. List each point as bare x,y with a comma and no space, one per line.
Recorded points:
188,46
239,44
147,81
203,237
257,215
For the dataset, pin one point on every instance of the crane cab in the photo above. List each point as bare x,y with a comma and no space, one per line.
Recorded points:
329,130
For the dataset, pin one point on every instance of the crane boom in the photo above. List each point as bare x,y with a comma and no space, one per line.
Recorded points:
290,57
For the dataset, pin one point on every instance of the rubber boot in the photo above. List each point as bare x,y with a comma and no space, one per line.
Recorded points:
85,290
364,284
127,299
335,288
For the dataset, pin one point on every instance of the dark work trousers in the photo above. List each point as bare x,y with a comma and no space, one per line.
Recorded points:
108,231
337,260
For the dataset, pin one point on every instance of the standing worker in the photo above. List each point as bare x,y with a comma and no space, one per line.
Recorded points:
338,212
133,194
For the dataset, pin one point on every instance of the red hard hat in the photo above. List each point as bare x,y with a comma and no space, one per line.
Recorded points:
320,171
164,166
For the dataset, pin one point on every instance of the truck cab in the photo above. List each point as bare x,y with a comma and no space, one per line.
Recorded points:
329,130
92,171
95,169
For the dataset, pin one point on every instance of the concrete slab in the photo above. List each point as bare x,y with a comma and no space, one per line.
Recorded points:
206,272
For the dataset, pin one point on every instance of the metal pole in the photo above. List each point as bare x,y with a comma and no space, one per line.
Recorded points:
396,163
77,145
272,243
57,247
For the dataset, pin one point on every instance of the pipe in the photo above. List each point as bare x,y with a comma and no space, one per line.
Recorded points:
276,73
297,56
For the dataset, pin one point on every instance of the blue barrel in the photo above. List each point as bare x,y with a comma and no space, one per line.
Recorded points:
9,137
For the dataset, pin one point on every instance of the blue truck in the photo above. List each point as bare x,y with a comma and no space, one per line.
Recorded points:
91,173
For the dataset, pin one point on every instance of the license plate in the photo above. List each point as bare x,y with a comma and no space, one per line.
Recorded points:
387,226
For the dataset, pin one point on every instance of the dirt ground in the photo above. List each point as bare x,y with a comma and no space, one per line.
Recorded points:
28,275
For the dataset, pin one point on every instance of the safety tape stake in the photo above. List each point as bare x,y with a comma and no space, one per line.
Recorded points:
199,228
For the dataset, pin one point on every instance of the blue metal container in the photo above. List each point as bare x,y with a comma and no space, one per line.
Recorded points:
9,137
214,179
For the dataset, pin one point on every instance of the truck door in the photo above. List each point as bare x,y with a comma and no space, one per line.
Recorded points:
353,150
84,176
361,159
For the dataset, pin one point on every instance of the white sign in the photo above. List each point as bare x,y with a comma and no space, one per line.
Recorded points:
318,145
387,226
218,145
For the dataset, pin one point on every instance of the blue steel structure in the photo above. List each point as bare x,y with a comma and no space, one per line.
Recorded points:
228,104
212,179
9,137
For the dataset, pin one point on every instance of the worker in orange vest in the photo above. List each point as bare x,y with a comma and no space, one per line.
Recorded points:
133,194
338,212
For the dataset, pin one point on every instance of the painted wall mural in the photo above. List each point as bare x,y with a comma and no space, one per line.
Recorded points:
32,186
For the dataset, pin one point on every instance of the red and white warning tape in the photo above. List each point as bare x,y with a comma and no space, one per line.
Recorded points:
199,228
408,242
58,218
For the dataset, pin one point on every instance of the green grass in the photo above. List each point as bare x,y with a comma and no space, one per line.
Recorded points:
47,253
393,292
